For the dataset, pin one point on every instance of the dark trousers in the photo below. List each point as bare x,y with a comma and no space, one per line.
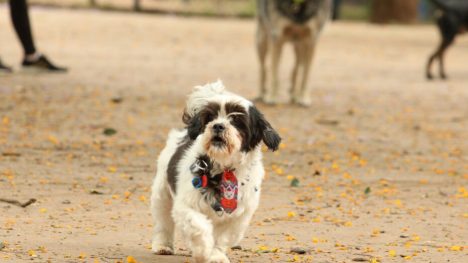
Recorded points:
336,9
20,18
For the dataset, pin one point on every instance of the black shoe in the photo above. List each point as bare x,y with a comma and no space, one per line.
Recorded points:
42,63
5,68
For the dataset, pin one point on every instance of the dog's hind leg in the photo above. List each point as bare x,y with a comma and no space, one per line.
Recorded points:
448,32
445,44
262,50
163,235
294,91
271,96
303,96
429,65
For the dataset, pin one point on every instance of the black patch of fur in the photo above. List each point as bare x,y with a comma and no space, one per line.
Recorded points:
172,173
261,130
196,124
299,11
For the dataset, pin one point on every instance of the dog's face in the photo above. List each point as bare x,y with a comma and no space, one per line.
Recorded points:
230,127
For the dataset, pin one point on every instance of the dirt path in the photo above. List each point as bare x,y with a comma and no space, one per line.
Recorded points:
375,124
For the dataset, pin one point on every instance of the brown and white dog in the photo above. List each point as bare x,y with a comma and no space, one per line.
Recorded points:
296,21
209,175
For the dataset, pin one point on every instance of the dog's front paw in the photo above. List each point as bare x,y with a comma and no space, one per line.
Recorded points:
270,99
302,101
161,249
218,257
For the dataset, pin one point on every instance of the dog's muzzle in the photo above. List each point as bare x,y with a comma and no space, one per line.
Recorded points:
217,139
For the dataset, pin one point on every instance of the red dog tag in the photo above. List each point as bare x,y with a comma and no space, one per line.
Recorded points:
229,191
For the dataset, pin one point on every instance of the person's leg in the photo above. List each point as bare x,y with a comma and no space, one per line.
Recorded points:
32,59
20,18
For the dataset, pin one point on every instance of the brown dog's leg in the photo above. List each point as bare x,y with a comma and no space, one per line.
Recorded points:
276,48
304,95
294,91
262,50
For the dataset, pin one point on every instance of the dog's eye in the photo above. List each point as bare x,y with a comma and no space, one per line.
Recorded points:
209,117
236,115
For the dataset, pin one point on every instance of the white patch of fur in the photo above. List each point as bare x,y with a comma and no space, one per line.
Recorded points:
212,92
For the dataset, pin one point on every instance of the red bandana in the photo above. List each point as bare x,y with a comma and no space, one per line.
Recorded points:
229,191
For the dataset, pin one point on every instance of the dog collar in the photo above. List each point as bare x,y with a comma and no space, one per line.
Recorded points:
224,186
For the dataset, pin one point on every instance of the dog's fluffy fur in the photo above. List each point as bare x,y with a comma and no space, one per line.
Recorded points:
281,21
175,203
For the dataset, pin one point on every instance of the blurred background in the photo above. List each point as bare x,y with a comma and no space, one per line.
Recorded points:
380,11
380,157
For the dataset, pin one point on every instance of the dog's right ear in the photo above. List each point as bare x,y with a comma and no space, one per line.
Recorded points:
194,125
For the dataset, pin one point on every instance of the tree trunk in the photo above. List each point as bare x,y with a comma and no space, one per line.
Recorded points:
137,5
397,11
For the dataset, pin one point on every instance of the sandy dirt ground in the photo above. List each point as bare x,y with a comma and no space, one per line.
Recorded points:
380,157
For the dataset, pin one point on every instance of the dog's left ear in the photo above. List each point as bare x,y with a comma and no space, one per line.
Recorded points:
261,130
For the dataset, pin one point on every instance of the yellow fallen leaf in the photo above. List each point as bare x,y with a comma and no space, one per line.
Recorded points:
43,210
392,253
296,258
291,214
53,139
103,179
131,259
456,248
263,248
112,169
347,176
280,171
82,255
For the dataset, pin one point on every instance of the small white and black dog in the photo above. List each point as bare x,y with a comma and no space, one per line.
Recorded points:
209,174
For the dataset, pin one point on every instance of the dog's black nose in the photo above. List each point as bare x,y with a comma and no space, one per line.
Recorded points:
218,128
